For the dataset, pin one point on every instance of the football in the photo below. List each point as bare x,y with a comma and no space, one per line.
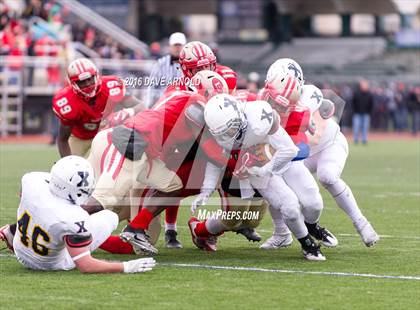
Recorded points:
261,154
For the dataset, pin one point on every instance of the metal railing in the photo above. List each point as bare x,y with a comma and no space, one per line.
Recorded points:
35,70
104,25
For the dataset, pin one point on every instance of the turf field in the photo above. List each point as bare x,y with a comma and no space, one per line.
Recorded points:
385,178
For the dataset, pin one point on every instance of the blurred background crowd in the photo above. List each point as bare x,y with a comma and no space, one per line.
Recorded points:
365,51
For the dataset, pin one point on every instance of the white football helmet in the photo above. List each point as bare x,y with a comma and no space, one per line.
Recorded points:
311,97
226,120
72,179
292,67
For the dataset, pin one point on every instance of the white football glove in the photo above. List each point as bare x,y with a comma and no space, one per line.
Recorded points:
199,201
139,265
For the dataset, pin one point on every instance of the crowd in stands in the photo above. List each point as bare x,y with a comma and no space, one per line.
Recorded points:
395,106
21,31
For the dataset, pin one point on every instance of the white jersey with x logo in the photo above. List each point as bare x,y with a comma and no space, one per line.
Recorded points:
43,221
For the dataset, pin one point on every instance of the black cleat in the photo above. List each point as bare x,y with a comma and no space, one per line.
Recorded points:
170,240
322,234
310,250
250,234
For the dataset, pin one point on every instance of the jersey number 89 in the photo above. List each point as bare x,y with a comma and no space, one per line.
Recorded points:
114,90
63,104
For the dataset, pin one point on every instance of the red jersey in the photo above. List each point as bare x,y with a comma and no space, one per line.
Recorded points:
166,127
85,115
227,73
296,123
245,95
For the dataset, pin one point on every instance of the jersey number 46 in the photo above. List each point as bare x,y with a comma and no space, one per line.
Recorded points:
32,240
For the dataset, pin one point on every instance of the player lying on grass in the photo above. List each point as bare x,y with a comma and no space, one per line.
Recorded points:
53,232
237,125
85,102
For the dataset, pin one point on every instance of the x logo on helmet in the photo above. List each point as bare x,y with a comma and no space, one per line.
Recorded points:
317,96
83,175
295,70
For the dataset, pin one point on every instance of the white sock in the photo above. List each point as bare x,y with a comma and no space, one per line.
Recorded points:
170,226
345,200
280,227
214,225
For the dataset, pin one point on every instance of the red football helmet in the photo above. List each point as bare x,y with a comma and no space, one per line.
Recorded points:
84,77
196,56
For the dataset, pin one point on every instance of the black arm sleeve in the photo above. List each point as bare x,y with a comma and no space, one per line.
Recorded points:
78,241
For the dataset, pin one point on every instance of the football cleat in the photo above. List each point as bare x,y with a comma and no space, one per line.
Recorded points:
311,251
7,236
277,241
366,232
211,243
322,234
250,234
170,240
203,243
139,240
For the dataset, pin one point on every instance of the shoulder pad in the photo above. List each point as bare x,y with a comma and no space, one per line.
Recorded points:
260,116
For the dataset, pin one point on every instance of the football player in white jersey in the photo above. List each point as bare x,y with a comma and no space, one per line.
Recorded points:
237,125
327,158
282,90
53,232
328,155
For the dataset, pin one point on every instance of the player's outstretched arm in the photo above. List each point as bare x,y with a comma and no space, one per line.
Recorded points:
63,140
85,263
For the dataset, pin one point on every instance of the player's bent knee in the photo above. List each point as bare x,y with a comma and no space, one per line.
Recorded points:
291,212
327,176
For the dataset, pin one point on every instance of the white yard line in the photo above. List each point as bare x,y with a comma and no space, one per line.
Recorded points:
323,273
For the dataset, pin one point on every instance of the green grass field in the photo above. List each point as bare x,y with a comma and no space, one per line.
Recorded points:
385,179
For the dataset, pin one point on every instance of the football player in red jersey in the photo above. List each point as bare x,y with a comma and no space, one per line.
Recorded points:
194,57
152,136
82,105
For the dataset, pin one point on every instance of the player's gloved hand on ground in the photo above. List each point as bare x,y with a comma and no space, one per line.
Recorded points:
139,265
199,201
